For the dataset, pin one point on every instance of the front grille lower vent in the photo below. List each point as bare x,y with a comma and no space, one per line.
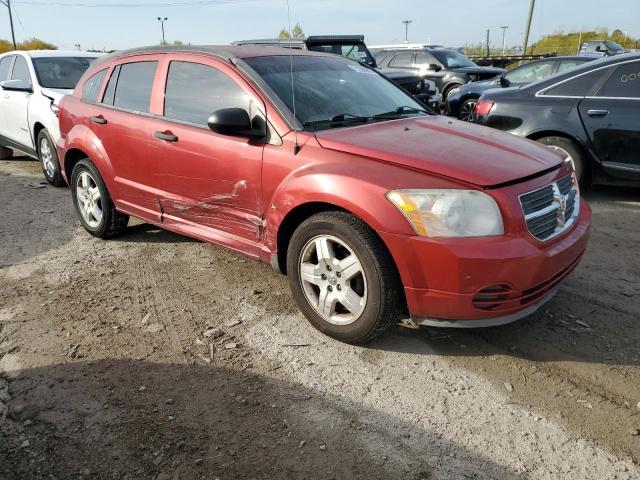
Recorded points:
551,210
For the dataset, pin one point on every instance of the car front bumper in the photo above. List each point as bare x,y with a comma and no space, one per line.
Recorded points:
479,282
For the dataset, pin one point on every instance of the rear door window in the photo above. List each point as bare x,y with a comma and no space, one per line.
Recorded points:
567,64
21,70
91,87
132,86
402,60
582,86
623,83
194,91
5,65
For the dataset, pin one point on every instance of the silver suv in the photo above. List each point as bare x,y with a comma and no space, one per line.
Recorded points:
32,83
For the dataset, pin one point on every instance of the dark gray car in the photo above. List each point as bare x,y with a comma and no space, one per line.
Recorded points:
447,67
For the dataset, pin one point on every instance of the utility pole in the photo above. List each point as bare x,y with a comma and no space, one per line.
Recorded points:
162,20
488,40
528,29
504,38
7,4
406,30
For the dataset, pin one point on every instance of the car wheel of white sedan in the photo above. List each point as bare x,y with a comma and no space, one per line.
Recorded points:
49,159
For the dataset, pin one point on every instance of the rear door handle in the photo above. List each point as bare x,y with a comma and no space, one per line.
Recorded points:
99,119
167,136
597,113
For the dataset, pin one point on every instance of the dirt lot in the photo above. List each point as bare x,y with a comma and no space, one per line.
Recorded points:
155,356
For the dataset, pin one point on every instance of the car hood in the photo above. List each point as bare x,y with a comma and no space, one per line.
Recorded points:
56,93
443,146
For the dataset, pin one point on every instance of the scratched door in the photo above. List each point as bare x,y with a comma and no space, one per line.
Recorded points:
207,181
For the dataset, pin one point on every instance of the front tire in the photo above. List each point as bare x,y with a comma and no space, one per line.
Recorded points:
92,202
467,109
48,157
343,278
571,152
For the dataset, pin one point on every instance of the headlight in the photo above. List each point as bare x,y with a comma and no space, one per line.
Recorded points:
54,108
449,213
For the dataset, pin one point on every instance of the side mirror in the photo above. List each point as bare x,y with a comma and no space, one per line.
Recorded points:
434,67
234,122
504,82
16,86
600,48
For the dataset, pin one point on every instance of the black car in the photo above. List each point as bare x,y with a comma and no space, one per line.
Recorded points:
447,67
589,114
353,47
461,102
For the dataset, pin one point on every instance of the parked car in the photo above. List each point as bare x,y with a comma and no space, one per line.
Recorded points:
448,68
461,101
600,48
353,47
370,204
32,84
589,114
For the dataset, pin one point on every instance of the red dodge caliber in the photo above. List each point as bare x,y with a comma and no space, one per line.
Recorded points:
374,207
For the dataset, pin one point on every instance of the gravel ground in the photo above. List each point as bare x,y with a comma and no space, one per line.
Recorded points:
156,356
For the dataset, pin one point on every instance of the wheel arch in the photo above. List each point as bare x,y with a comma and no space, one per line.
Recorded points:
37,128
579,144
72,156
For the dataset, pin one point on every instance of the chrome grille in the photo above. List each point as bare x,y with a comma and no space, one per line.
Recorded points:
551,210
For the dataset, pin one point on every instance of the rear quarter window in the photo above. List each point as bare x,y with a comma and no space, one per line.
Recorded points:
624,82
582,86
91,88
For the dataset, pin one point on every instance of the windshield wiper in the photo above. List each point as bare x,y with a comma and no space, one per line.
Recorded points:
399,112
338,119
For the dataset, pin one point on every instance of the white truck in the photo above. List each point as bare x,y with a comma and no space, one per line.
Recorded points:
31,86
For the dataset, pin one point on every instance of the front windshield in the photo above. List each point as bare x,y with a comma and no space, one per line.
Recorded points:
452,59
612,45
333,88
354,51
60,72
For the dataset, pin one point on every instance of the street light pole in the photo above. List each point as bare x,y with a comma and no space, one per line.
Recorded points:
528,29
504,38
162,20
7,4
406,30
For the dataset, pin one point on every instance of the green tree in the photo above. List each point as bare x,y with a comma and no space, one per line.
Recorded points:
296,32
31,44
178,42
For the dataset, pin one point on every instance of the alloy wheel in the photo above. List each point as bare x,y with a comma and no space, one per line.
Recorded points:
467,109
333,280
46,155
88,199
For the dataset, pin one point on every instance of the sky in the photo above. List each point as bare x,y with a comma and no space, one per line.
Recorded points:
117,24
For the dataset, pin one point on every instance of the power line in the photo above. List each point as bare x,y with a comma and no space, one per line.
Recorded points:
189,3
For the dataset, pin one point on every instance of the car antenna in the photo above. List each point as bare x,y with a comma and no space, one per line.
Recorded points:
296,147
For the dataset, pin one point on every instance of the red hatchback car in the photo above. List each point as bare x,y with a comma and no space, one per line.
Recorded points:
374,207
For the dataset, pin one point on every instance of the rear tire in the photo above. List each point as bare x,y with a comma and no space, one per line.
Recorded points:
569,149
6,153
92,202
445,94
343,278
48,157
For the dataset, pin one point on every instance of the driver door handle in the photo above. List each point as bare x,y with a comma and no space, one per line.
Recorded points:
99,119
597,113
167,136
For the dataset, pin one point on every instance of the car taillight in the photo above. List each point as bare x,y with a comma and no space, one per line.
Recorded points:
483,108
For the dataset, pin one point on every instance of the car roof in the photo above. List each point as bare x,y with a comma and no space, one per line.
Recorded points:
584,68
55,53
227,52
